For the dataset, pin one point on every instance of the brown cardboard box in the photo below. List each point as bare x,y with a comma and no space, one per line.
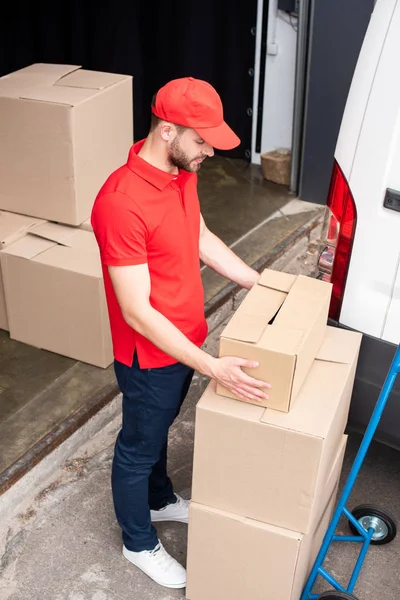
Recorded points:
232,557
12,228
280,323
63,130
55,294
272,466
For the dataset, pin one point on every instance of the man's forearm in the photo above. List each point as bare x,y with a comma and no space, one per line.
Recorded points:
216,255
163,334
132,285
228,370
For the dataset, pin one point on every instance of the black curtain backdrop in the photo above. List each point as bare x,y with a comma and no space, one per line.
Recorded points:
152,41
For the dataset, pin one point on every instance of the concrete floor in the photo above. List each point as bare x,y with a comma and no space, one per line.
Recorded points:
44,397
64,543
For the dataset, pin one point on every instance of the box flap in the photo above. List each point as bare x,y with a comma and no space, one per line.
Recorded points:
67,236
39,73
59,84
304,302
338,345
69,96
61,234
13,226
256,311
44,83
248,328
84,240
282,340
277,280
28,247
93,80
10,88
72,259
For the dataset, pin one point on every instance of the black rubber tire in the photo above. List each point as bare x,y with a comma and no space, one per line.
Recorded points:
336,596
370,510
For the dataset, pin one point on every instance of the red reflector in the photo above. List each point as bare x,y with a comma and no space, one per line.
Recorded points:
342,205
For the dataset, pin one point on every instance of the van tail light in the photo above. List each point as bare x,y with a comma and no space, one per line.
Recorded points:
338,235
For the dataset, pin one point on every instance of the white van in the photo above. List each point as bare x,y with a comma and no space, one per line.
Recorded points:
361,253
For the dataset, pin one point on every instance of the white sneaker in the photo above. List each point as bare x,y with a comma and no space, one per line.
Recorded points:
172,512
159,566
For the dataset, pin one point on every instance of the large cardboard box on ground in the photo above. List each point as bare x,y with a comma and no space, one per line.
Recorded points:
234,558
63,130
231,557
273,466
55,294
281,324
12,228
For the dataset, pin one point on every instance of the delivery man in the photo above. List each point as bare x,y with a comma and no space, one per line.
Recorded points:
152,236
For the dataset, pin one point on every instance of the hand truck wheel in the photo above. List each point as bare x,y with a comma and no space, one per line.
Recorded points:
336,596
384,524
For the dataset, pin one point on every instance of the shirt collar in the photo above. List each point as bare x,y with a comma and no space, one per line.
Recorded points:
160,179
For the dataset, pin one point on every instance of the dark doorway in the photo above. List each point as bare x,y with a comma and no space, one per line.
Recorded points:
152,41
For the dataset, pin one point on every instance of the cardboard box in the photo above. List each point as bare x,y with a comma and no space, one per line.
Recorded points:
232,557
272,466
63,130
55,293
280,323
12,228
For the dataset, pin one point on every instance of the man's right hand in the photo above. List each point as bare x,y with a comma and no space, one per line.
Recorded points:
228,372
132,286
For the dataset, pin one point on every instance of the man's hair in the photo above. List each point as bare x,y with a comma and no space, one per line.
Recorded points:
155,121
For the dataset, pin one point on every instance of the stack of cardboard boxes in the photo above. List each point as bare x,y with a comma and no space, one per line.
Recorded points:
63,130
266,473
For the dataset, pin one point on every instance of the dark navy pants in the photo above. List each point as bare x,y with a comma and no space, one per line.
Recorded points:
151,401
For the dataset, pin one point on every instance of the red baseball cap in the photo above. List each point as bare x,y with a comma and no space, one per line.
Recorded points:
195,103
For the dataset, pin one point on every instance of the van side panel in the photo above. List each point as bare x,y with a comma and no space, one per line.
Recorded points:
361,84
376,250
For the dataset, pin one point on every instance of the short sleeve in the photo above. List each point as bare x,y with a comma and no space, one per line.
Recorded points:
120,230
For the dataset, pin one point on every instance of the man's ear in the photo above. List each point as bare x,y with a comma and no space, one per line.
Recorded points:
167,131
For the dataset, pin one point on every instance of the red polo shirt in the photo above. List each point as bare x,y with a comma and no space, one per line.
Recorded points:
144,215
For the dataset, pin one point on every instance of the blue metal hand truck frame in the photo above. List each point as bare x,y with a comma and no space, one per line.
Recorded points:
369,524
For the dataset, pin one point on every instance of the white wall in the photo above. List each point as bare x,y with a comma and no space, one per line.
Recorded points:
279,87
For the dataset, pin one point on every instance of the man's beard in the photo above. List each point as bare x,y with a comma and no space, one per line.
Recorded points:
178,158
